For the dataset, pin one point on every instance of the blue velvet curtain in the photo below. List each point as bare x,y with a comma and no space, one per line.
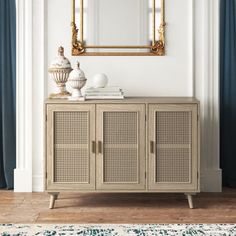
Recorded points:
228,91
7,92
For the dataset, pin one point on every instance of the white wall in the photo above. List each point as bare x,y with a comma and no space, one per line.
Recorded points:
138,76
188,69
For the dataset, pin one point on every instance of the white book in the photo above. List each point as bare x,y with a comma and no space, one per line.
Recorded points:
105,97
105,89
104,94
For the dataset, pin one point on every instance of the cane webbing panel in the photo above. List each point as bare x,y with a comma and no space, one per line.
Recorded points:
71,147
120,127
172,165
71,166
173,127
120,158
174,140
120,165
71,127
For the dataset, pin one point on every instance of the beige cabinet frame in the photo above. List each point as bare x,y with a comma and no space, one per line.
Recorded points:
140,140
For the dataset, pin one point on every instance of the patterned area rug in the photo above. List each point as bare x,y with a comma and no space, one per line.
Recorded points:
119,230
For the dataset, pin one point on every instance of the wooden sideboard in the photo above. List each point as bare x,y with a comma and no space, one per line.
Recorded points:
139,144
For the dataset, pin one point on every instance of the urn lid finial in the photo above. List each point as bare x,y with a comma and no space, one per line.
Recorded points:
60,62
61,51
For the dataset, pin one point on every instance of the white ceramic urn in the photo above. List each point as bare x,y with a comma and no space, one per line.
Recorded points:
60,69
77,81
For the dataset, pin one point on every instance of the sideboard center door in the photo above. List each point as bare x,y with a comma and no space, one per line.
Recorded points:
71,158
121,147
173,152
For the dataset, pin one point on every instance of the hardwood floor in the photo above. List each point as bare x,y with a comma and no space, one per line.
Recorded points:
118,208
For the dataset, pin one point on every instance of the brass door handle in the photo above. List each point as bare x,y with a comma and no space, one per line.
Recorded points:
100,147
152,145
93,147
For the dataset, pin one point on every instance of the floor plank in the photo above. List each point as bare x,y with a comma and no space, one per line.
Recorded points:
118,208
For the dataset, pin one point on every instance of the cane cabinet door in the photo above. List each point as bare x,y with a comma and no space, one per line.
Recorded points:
121,147
173,147
70,147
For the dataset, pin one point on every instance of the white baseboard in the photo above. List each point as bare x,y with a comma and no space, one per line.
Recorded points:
211,180
22,180
38,185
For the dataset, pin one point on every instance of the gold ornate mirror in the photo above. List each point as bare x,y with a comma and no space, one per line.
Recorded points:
118,27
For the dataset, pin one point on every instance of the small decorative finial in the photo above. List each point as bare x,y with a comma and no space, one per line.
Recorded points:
61,51
78,64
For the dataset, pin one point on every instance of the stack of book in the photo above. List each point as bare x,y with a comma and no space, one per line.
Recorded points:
104,93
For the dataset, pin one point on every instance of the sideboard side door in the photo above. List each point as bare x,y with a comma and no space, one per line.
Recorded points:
70,150
173,148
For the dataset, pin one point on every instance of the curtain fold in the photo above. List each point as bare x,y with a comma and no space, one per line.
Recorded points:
7,92
228,91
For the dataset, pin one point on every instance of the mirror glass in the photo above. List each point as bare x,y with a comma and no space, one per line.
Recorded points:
115,23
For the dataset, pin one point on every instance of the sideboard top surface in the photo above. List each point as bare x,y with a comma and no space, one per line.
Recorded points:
171,100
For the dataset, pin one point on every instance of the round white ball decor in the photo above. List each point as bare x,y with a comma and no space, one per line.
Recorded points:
100,80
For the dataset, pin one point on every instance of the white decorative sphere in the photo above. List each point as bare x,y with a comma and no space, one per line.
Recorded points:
100,80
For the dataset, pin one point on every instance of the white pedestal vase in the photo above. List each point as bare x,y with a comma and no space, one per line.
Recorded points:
77,81
60,69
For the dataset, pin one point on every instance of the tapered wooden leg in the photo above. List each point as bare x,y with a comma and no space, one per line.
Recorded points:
190,200
53,198
56,196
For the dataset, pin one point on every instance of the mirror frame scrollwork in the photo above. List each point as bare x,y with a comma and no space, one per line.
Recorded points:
157,47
